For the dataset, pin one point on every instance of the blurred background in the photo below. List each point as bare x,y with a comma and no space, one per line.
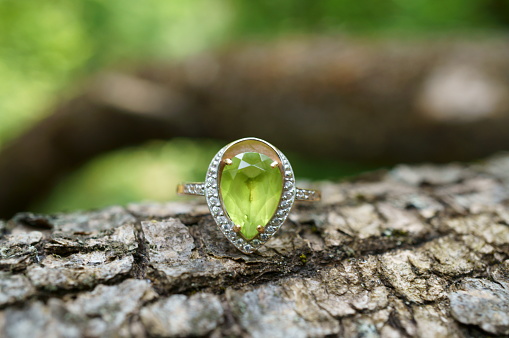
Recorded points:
107,102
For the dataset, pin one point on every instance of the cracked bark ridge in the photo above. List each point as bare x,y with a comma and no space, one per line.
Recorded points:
413,251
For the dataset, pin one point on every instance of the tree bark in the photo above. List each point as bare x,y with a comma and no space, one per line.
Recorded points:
414,251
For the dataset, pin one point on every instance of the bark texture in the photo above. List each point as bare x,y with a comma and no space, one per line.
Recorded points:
414,251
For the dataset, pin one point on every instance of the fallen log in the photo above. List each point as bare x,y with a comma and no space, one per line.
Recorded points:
414,251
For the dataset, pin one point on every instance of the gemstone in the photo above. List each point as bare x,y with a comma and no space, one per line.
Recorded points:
217,211
251,190
264,237
288,185
287,196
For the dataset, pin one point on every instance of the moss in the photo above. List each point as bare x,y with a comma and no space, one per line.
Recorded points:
390,232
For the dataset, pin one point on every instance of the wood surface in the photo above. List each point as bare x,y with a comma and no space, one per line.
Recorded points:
414,251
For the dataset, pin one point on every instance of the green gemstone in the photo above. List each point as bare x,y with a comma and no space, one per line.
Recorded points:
251,190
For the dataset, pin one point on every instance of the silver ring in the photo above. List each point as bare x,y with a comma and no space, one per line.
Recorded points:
250,190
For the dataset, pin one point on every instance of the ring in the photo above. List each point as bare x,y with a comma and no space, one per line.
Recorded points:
250,189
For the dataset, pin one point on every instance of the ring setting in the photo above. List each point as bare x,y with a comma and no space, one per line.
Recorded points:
250,190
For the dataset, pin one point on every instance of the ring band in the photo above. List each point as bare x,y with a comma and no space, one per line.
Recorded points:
198,189
250,190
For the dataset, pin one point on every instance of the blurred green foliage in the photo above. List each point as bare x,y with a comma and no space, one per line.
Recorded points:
373,17
49,48
130,174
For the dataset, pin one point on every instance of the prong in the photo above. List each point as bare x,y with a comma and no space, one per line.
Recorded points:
274,164
228,161
260,229
236,228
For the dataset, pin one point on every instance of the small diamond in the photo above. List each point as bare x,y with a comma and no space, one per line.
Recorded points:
248,248
287,195
286,204
264,237
277,221
255,242
282,213
217,211
211,182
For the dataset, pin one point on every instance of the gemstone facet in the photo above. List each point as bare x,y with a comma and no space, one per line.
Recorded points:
251,190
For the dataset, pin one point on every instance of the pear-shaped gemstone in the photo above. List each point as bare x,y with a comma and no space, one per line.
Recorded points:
251,189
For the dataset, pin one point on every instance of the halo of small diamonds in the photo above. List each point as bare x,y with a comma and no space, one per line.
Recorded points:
220,215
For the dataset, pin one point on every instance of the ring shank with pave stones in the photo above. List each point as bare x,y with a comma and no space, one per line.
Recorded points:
250,189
